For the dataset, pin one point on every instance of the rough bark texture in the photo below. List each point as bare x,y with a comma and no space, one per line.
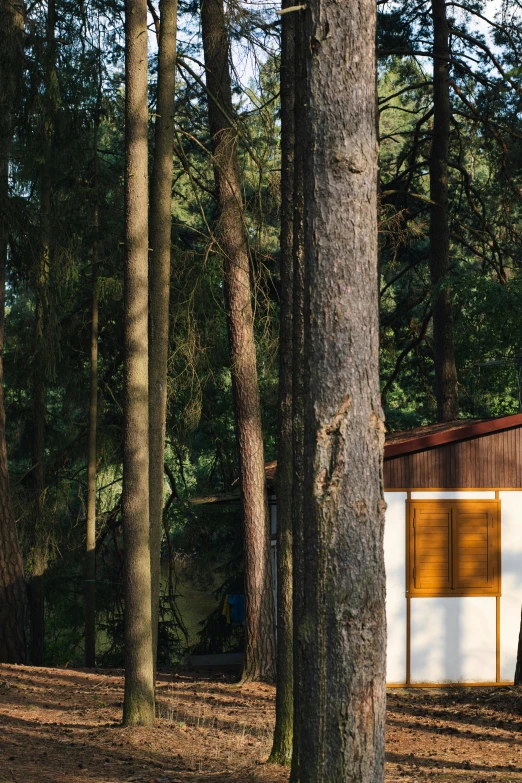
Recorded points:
298,565
160,239
342,632
90,561
138,705
259,624
283,732
444,347
13,603
40,532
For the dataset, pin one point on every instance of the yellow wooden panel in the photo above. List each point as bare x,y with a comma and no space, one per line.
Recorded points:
453,547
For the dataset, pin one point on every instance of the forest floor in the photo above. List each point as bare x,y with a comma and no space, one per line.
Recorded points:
62,726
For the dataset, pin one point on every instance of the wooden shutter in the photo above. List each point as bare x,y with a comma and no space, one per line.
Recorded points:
454,547
476,563
431,547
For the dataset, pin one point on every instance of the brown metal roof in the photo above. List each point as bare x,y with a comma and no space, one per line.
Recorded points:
225,497
233,497
421,438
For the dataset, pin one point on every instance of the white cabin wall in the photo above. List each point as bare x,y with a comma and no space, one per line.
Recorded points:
453,639
395,563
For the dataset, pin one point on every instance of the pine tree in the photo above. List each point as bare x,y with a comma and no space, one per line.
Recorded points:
342,631
13,602
283,733
41,284
138,705
92,456
298,383
444,346
160,241
233,244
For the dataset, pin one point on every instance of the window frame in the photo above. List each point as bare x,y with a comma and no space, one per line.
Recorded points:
412,591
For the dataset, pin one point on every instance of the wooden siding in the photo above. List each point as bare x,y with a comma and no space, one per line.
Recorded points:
490,461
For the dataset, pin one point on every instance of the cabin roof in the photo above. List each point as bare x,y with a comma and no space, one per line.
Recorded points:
431,435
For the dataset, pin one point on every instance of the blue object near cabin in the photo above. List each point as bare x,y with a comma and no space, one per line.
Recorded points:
237,608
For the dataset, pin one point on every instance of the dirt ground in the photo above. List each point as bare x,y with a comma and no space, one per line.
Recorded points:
62,726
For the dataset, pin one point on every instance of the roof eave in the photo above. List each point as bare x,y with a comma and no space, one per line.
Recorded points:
423,442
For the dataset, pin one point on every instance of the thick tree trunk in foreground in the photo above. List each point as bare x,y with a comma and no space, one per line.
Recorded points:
13,602
298,384
259,624
90,564
342,632
138,705
444,346
160,239
283,732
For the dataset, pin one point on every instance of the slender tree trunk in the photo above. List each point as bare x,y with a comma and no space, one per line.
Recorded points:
444,346
160,239
13,602
138,705
283,732
342,633
259,623
298,385
90,564
41,534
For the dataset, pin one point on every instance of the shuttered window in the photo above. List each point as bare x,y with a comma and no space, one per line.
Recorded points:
453,547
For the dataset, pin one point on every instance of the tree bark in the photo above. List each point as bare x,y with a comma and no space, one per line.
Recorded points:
138,705
443,340
259,623
160,240
342,632
283,732
90,564
298,385
41,534
13,601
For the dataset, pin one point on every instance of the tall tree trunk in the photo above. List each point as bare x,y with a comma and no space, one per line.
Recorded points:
342,633
298,379
90,564
259,623
13,602
138,705
283,732
40,544
160,239
444,346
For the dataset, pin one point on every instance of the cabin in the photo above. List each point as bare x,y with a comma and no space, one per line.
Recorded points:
453,552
